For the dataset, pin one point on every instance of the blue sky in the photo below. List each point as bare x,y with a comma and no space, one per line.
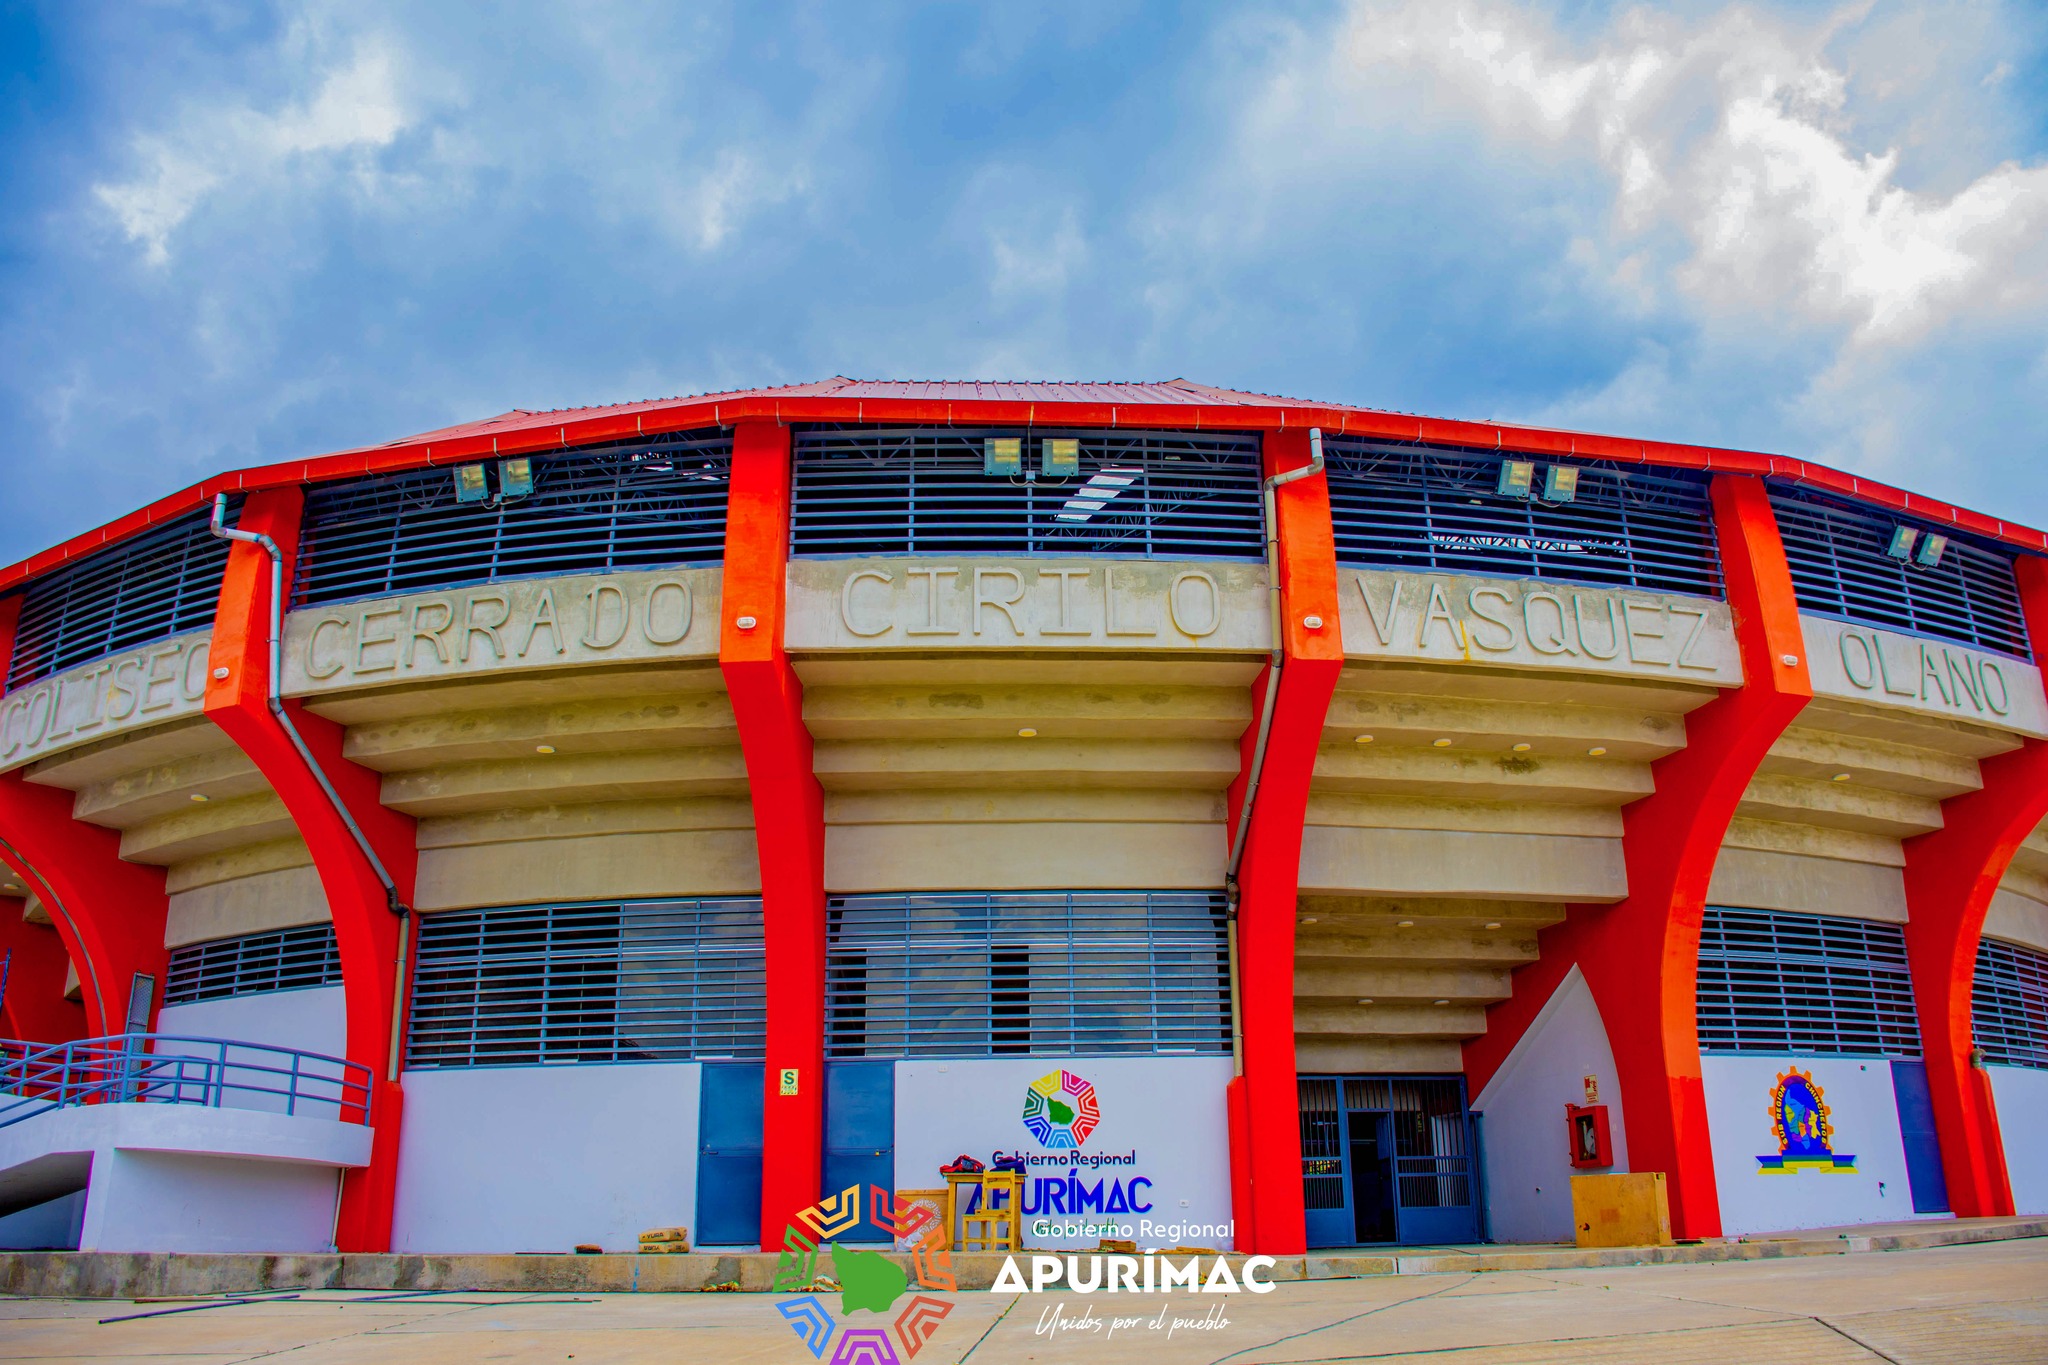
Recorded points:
239,233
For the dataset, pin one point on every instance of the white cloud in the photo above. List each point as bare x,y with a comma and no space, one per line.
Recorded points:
355,106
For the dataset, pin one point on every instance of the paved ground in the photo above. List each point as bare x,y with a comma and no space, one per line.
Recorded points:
1946,1306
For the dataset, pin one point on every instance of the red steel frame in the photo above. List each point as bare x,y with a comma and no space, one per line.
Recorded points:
1640,957
789,819
34,1007
1263,1104
1951,875
109,913
365,929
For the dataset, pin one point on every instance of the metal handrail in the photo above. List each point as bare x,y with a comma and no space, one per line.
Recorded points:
157,1068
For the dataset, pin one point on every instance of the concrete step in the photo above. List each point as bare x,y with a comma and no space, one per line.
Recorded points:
127,1275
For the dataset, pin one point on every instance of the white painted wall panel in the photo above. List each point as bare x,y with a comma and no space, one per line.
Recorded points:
2021,1093
1864,1112
1169,1111
165,1201
1527,1142
540,1158
309,1020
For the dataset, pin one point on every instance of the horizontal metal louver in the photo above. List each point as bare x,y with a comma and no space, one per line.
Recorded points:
650,505
1434,508
160,583
2009,1004
643,981
1770,981
979,975
921,490
1840,568
283,960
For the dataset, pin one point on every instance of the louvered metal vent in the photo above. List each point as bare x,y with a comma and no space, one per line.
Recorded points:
285,960
1840,568
975,975
1432,508
1776,982
645,981
649,505
2009,1004
922,490
149,587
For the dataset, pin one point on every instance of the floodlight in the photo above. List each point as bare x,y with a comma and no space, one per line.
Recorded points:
515,477
1059,457
1930,550
1517,478
1901,546
1002,455
1560,483
470,483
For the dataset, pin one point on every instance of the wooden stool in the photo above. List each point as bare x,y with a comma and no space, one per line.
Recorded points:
997,1225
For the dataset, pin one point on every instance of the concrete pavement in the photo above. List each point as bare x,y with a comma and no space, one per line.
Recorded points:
1943,1306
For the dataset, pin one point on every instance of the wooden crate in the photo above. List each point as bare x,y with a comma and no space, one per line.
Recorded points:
1621,1210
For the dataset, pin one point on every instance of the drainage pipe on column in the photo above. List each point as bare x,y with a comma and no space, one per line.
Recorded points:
275,696
1275,662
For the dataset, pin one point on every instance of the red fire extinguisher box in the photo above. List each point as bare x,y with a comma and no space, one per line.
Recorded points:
1592,1145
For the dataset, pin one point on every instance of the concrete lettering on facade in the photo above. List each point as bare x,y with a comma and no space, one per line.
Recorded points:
1934,677
933,603
145,686
521,624
1521,623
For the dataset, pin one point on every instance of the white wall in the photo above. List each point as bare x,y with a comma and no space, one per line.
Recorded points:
1170,1111
2021,1093
1864,1112
540,1158
310,1020
1527,1142
164,1201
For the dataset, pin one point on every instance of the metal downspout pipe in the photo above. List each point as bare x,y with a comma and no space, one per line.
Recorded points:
1275,662
274,691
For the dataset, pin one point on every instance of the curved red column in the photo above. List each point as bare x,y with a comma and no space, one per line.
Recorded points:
108,914
365,929
1264,1104
1640,956
1951,875
789,819
33,1004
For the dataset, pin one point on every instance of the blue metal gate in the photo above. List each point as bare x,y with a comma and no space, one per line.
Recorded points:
729,1155
1388,1159
860,1134
1916,1128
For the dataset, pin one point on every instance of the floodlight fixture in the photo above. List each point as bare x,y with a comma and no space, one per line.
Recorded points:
1560,483
470,483
515,477
1931,548
1517,478
1059,457
1002,455
1900,546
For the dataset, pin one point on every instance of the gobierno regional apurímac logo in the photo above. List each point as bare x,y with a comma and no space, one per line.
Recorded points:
1060,1110
868,1281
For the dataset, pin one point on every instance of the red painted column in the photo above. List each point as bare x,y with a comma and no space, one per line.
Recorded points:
1264,1106
789,819
1951,875
34,1003
1641,957
108,914
365,929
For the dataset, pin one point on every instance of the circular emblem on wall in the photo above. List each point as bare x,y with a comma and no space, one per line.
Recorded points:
1060,1110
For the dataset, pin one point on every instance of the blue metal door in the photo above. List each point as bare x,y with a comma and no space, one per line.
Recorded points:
1916,1127
729,1155
1388,1159
860,1134
1325,1176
